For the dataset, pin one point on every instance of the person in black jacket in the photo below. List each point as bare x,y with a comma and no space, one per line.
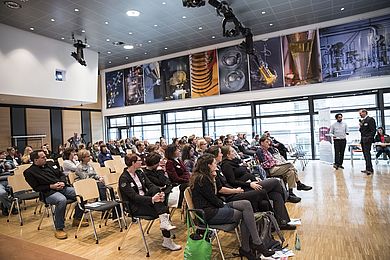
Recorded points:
156,174
145,198
203,188
47,178
367,130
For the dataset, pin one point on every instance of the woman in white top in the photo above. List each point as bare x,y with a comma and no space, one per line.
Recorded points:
70,161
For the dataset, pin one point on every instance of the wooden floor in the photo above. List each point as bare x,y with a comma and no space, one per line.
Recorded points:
345,216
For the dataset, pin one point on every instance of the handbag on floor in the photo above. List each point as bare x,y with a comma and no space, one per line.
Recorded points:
198,245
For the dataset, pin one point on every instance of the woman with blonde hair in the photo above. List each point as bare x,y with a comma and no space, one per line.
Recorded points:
26,155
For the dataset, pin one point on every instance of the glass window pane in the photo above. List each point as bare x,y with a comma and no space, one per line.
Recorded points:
352,121
386,99
229,112
146,119
349,102
151,133
118,121
180,130
184,116
218,128
282,108
387,120
293,130
113,134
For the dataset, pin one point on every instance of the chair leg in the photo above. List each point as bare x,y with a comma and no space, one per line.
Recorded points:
124,236
12,205
19,211
118,218
149,226
143,238
94,228
78,228
219,245
238,236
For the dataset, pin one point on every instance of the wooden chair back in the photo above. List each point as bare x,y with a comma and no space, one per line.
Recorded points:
87,188
18,183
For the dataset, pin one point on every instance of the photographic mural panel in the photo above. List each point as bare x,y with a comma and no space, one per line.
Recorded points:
134,86
176,78
204,74
154,92
114,89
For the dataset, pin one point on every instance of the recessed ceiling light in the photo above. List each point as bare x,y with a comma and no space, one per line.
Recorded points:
126,57
52,19
130,33
83,31
76,10
132,13
271,24
145,53
109,52
32,28
128,47
200,28
263,12
184,17
213,37
164,3
107,40
342,9
117,43
105,22
140,45
149,41
62,38
109,61
166,48
155,25
12,4
88,45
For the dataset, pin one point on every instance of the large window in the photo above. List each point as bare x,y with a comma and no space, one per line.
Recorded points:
294,130
183,123
287,120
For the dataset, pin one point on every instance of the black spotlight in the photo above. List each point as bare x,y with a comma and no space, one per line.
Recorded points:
193,3
79,54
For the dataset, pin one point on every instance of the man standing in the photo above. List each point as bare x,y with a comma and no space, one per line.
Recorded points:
367,130
339,132
47,178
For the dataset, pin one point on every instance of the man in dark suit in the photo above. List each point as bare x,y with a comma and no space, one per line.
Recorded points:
367,130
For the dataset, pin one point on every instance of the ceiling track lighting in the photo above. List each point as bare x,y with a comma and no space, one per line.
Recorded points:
12,4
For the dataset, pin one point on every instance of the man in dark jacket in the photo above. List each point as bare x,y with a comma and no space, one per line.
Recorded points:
367,130
47,178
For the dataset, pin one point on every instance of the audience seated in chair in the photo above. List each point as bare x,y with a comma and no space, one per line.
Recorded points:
70,160
275,143
85,170
145,198
104,155
216,212
12,156
47,178
277,168
6,166
381,139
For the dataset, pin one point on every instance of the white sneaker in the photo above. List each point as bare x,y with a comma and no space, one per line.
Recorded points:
169,244
165,223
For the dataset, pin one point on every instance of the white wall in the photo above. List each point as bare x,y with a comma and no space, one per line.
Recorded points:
267,94
28,62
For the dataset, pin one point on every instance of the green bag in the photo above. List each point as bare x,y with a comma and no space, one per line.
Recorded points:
197,247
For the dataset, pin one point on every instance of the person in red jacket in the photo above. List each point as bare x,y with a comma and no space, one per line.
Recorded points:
176,170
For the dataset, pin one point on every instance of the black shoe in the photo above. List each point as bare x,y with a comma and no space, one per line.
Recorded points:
246,254
5,211
301,186
287,227
335,166
364,171
293,199
263,250
369,172
14,211
340,166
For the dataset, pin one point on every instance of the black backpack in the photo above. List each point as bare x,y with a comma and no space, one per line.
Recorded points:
266,223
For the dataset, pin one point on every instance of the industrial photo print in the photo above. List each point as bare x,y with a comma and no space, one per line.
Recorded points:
176,78
233,70
114,89
134,86
266,69
301,58
356,50
204,74
154,92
